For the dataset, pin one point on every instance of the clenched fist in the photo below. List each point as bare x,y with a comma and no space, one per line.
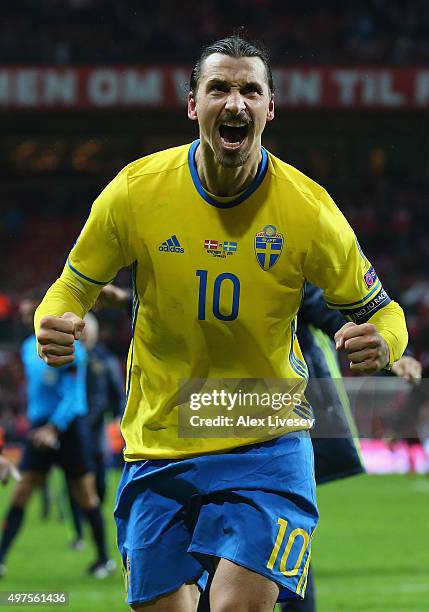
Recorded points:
367,351
56,338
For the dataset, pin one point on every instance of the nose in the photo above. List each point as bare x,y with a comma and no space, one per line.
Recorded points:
235,102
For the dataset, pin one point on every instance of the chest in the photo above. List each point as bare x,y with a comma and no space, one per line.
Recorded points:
193,257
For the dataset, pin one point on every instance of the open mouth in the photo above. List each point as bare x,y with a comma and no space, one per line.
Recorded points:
232,136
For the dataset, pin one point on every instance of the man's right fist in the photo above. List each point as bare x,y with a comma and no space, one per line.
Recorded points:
56,338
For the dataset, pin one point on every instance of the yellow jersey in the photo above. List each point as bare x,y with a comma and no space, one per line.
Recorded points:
217,284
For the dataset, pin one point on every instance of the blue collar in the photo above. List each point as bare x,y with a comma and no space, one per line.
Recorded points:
262,170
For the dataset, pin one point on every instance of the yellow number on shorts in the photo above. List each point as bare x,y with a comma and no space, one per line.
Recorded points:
126,569
278,543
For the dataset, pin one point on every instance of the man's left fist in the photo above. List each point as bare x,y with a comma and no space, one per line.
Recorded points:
366,349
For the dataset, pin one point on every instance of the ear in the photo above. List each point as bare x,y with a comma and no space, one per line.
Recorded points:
270,112
192,107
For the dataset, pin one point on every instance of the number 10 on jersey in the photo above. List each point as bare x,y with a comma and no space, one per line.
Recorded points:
207,286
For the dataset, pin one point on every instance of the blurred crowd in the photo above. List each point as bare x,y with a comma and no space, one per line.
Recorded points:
138,31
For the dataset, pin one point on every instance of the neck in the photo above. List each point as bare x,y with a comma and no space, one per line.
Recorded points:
221,180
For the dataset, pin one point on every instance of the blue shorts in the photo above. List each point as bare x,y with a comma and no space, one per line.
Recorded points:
254,505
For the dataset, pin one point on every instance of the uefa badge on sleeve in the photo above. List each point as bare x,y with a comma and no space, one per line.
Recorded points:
268,246
370,277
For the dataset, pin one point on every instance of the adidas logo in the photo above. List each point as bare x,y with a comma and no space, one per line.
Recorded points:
172,245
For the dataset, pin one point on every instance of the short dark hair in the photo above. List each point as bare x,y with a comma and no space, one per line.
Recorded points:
234,46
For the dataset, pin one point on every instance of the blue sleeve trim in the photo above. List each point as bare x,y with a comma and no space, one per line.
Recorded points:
363,314
87,278
376,287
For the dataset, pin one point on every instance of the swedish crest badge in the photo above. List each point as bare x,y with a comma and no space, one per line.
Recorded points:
268,246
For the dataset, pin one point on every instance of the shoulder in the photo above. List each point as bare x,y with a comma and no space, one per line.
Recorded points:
116,194
160,162
294,181
313,199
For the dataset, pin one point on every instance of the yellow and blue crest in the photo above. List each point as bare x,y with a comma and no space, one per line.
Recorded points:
268,246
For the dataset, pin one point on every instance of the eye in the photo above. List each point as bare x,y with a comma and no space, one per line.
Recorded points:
218,87
251,90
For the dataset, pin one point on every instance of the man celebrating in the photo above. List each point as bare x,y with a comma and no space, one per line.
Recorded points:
221,236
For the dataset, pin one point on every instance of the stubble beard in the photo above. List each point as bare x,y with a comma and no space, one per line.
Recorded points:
232,160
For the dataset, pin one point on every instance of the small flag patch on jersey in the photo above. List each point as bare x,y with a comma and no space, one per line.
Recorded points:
220,249
172,245
230,246
268,246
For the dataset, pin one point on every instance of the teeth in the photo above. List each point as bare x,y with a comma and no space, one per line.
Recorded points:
231,124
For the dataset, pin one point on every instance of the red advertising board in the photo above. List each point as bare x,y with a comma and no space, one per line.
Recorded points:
145,87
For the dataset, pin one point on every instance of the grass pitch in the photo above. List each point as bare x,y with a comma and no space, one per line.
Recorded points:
370,551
